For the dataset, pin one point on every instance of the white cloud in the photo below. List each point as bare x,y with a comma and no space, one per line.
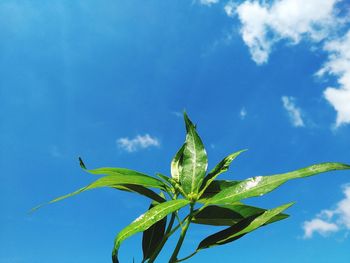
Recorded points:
293,111
343,208
230,8
243,113
338,65
137,143
330,220
265,24
321,23
320,226
253,18
208,2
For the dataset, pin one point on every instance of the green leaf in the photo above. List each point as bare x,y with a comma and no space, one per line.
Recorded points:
229,215
220,168
216,216
194,161
110,170
176,164
145,221
81,163
165,178
124,172
247,211
215,187
260,185
114,180
243,227
153,236
141,190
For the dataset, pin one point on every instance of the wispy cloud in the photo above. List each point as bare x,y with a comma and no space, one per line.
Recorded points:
137,143
338,65
229,8
265,24
293,111
208,2
243,113
330,220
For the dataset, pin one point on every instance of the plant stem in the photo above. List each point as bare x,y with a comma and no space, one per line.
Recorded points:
165,238
182,236
189,256
178,218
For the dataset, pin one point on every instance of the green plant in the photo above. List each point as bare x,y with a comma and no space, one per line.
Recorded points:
210,201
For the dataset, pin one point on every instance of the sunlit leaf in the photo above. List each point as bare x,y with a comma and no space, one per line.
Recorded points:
215,187
243,227
122,171
115,180
194,161
165,178
137,188
153,236
220,168
247,211
230,214
145,221
176,164
260,185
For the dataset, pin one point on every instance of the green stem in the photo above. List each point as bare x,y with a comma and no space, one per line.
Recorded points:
178,218
168,233
165,238
182,236
189,256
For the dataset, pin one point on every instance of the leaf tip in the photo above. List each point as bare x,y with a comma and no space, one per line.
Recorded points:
290,204
34,209
81,163
188,122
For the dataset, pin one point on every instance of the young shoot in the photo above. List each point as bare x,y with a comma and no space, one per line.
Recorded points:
208,200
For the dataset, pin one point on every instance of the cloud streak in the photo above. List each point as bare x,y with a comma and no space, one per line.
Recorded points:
293,111
138,143
208,2
330,221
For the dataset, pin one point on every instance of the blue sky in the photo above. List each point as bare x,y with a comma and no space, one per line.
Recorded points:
106,80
